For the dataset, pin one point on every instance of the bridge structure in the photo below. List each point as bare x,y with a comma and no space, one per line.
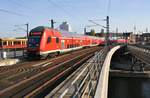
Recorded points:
89,81
140,59
93,80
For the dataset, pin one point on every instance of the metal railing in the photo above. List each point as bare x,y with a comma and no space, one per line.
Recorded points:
86,81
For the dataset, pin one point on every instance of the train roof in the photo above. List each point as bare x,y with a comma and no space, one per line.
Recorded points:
39,29
64,33
69,34
74,34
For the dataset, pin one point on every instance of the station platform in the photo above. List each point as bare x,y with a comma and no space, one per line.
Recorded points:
8,62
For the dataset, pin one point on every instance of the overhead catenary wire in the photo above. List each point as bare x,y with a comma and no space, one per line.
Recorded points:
97,24
108,7
11,12
27,7
19,4
58,6
63,9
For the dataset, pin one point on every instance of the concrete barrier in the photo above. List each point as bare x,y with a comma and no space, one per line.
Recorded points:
102,87
8,62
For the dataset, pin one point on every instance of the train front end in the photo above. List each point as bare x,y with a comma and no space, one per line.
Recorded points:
34,42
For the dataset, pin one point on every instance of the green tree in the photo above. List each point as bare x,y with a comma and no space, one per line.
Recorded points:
92,33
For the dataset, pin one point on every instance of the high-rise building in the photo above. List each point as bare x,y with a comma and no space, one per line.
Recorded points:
65,26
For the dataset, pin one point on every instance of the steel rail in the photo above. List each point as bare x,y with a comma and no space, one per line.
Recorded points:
79,81
140,53
54,79
16,75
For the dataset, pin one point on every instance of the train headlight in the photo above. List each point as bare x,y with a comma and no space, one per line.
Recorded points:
37,45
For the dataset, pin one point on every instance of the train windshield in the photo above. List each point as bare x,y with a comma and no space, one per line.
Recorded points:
34,41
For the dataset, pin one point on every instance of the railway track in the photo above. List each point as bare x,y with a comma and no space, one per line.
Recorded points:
6,71
34,65
143,46
47,73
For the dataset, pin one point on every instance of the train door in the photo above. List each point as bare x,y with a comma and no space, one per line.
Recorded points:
62,44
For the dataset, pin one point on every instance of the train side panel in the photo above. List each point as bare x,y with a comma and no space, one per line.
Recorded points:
50,42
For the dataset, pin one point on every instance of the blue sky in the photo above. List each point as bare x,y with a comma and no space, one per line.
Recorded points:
124,14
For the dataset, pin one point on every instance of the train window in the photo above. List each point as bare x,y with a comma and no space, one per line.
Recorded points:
24,42
67,46
49,39
9,43
17,42
57,40
4,43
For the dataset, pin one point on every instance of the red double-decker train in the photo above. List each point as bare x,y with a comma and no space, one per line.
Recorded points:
44,41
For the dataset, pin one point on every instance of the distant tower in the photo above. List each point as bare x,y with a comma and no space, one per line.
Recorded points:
65,26
116,30
146,30
116,33
85,31
134,29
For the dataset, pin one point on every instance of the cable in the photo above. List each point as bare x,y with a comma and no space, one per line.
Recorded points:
56,5
108,7
23,6
97,24
11,12
64,10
